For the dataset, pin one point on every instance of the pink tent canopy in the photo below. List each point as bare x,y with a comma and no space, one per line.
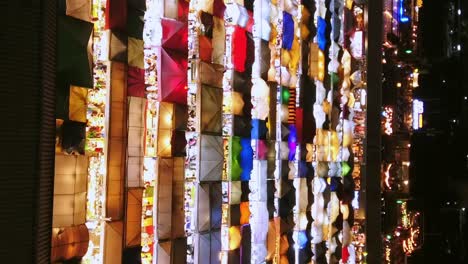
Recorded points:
175,35
172,76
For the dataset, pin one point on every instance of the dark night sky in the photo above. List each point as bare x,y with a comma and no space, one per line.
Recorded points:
439,157
444,103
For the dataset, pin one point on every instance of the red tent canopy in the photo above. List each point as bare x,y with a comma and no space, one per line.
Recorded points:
116,15
136,82
218,8
183,10
205,49
175,35
172,76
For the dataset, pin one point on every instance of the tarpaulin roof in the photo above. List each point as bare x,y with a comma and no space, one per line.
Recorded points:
203,211
205,48
211,74
208,23
135,23
135,53
218,8
118,46
73,56
133,219
116,15
211,109
172,71
218,41
78,104
164,198
215,204
210,247
80,9
135,82
211,158
74,134
175,35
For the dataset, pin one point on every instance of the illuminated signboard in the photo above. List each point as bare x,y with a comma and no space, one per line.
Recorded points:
387,114
402,13
418,110
415,76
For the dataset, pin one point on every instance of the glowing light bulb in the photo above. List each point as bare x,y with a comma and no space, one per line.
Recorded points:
168,118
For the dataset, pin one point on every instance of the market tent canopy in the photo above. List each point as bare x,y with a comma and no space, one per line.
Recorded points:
211,109
71,102
163,252
207,21
118,46
116,15
211,74
179,245
136,53
216,205
135,145
175,35
203,211
73,52
135,21
176,9
172,71
139,5
133,217
135,82
218,8
78,104
209,247
80,9
164,198
211,158
70,190
178,199
69,243
205,48
218,41
73,137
